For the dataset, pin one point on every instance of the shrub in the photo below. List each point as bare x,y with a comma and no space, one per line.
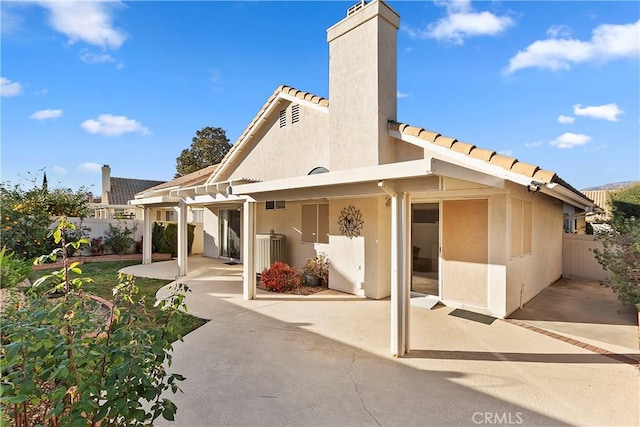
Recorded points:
621,255
280,277
319,267
13,270
165,238
119,239
65,365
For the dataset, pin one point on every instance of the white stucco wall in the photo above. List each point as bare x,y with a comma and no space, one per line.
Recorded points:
210,240
544,265
292,150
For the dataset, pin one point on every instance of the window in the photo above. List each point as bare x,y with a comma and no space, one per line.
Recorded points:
295,113
158,216
521,227
283,118
274,205
169,216
315,223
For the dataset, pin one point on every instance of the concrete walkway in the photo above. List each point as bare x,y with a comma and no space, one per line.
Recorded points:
323,360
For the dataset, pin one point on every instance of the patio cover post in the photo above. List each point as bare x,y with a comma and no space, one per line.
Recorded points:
182,239
147,246
248,250
400,206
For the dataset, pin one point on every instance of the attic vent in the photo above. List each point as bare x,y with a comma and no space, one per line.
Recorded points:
283,118
295,113
356,7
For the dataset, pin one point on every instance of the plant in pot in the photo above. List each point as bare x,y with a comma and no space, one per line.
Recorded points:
316,270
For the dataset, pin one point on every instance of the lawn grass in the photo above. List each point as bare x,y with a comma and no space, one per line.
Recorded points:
105,277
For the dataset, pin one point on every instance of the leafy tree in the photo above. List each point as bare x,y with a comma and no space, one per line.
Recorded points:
208,147
26,215
621,245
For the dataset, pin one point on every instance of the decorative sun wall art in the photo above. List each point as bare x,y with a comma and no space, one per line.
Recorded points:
350,221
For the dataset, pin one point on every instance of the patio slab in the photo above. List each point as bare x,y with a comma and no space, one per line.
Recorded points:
323,360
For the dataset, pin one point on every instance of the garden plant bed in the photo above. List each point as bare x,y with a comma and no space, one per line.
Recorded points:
102,258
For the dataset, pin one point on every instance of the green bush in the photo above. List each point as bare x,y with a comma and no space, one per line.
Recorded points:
119,239
69,361
13,270
165,237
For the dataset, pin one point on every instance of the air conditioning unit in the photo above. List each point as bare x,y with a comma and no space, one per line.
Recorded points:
270,248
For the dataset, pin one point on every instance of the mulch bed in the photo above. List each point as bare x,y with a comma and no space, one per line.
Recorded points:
300,290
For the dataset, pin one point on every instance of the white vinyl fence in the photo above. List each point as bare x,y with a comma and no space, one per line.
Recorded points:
578,259
100,226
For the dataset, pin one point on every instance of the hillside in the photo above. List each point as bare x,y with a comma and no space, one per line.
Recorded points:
612,186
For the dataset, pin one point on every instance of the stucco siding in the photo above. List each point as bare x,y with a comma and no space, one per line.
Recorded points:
210,233
292,150
529,274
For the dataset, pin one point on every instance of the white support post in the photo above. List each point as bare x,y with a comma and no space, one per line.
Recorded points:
248,250
406,272
182,239
147,246
398,289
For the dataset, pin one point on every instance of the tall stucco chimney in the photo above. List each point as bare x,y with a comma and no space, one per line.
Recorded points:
362,85
106,183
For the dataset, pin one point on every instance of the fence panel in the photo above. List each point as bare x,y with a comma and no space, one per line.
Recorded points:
578,259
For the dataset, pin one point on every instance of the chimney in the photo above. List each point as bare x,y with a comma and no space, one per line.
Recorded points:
106,184
362,85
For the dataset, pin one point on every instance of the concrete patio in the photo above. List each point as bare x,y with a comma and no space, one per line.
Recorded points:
323,360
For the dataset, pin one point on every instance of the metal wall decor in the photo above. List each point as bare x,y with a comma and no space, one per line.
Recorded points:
350,221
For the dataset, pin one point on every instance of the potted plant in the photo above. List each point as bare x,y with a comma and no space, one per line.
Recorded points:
316,270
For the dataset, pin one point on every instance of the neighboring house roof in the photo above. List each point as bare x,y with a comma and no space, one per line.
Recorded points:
124,189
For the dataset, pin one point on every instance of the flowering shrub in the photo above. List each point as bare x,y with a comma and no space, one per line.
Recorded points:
280,277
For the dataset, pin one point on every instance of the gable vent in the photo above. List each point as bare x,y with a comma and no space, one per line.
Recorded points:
283,118
295,113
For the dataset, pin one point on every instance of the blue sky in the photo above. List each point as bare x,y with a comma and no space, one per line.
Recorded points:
128,83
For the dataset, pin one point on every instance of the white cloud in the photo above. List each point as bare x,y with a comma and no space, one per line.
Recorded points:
570,140
402,94
608,42
100,58
565,119
46,114
462,22
59,170
110,125
534,144
86,21
9,88
508,153
559,31
608,112
89,167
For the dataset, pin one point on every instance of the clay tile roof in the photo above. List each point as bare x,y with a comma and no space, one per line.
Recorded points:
544,176
462,147
503,161
489,156
526,169
427,135
445,141
482,154
412,130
